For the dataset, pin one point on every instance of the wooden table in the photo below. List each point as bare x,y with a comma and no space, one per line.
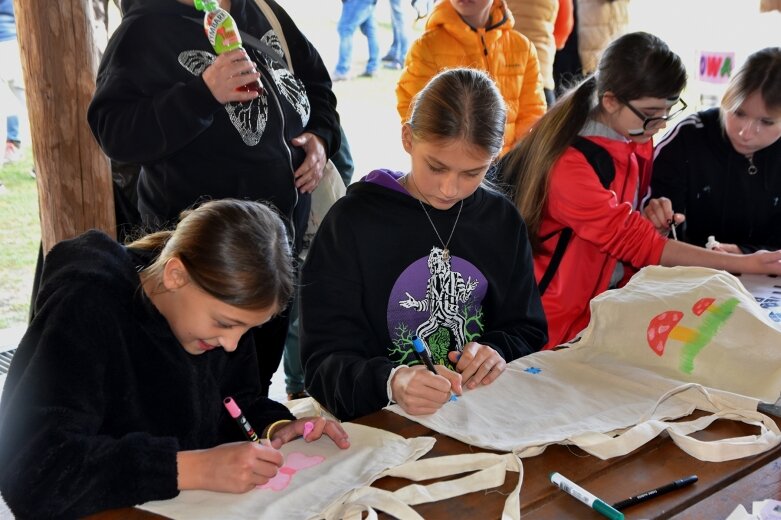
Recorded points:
650,466
721,486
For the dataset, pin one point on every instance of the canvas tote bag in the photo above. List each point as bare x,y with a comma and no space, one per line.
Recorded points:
611,390
315,475
320,481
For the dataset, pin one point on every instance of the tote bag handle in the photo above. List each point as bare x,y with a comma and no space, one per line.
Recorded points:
606,446
489,472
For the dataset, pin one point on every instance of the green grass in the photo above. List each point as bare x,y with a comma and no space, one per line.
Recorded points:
20,235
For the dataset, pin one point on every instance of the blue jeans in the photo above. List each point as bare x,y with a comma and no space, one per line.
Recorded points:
357,14
400,45
12,126
291,361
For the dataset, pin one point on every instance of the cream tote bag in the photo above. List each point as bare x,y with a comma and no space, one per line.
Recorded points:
630,372
315,476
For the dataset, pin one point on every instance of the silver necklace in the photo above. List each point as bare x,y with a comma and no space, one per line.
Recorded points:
445,250
752,169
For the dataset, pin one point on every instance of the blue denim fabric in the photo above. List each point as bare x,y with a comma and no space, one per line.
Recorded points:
357,14
400,45
12,124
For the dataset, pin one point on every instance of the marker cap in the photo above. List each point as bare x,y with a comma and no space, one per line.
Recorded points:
607,511
232,407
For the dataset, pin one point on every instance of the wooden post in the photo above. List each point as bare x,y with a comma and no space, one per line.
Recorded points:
58,58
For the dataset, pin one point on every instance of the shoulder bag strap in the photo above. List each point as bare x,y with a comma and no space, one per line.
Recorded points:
252,41
277,27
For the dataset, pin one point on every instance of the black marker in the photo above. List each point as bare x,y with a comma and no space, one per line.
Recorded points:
422,353
647,495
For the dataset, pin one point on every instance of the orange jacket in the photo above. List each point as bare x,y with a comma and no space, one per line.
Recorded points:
505,54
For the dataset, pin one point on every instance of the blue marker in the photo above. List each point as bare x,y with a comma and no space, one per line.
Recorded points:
575,491
422,354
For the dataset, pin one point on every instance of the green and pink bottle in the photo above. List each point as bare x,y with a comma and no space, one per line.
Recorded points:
223,34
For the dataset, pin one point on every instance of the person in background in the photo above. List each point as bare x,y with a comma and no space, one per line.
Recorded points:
398,50
115,394
356,14
547,24
452,266
634,92
12,97
479,34
721,168
599,22
164,100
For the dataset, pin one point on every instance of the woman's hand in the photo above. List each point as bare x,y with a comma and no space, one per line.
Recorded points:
229,72
478,364
308,175
320,426
420,392
230,468
660,213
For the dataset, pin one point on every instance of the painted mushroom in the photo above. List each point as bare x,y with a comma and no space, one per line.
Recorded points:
665,326
702,305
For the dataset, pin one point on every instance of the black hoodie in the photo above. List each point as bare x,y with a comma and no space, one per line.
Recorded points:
101,396
153,108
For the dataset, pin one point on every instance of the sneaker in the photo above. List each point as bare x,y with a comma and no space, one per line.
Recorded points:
338,76
394,65
368,74
13,152
388,57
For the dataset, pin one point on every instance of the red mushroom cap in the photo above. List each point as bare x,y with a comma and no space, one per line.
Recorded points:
702,305
660,327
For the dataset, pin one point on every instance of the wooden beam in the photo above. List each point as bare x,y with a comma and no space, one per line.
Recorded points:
59,62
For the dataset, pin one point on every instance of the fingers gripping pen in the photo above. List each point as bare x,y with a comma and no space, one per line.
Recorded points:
421,351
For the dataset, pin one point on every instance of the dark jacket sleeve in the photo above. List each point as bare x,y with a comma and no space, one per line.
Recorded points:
520,327
135,120
55,464
310,69
345,370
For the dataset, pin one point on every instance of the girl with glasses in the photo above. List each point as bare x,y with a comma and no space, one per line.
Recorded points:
634,92
721,167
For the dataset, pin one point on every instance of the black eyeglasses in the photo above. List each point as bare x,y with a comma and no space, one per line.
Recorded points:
673,111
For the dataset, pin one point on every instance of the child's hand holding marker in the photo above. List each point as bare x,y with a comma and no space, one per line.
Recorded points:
423,389
660,213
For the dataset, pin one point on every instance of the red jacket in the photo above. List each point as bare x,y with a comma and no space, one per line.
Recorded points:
606,228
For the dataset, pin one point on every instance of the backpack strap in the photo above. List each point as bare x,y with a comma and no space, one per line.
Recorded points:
602,163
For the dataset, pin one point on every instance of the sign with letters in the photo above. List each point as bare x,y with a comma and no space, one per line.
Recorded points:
716,67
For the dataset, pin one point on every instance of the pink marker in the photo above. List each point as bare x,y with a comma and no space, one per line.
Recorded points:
235,412
308,427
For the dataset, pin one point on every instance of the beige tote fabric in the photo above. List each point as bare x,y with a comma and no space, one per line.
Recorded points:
689,324
315,476
618,386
